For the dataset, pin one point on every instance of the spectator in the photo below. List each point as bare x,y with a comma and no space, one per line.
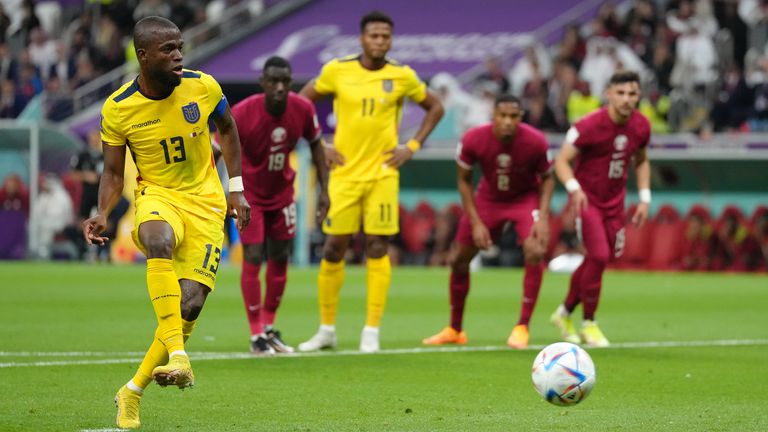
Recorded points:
581,102
53,210
64,68
539,115
29,20
5,23
734,102
662,63
493,73
728,18
14,195
12,102
696,61
697,243
572,48
42,52
754,13
535,65
182,14
147,8
9,67
458,104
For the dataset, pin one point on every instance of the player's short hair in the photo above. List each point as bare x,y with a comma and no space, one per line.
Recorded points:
507,98
278,62
375,16
622,77
144,30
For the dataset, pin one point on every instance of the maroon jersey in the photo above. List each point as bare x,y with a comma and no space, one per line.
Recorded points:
510,171
605,153
266,142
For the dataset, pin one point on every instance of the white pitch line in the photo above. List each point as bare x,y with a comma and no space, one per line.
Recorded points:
131,357
103,430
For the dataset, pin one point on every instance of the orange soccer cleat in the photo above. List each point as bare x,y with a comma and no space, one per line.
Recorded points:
447,336
518,339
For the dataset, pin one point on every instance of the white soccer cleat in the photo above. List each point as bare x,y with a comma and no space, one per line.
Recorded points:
369,340
325,338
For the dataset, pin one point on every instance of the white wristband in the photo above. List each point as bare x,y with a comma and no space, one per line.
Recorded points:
645,195
236,184
572,185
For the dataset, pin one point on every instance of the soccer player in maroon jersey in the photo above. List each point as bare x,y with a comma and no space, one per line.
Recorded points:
601,146
269,125
516,186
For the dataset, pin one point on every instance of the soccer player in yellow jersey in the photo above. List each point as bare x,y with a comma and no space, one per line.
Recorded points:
162,118
369,90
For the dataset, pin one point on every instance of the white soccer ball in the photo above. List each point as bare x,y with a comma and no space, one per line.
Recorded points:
563,374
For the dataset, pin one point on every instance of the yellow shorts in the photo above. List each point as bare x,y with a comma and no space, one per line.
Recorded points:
199,235
374,202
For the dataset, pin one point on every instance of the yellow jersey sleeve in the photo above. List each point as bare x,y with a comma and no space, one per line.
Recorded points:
216,98
416,90
111,130
325,83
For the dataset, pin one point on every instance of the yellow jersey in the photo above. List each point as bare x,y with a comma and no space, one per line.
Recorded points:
169,138
368,105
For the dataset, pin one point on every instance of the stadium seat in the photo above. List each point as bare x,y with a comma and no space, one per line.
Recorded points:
666,245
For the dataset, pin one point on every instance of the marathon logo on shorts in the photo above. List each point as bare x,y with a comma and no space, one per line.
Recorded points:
205,273
191,112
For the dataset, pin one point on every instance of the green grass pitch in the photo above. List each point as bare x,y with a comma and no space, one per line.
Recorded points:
689,354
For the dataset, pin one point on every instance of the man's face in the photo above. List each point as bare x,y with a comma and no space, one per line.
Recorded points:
277,83
623,98
376,40
163,59
506,117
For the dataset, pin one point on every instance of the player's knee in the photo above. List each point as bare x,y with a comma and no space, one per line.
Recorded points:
158,246
599,258
376,246
459,263
279,252
334,249
191,307
252,253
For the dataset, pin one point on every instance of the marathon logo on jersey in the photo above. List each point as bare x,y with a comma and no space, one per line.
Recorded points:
191,112
387,85
145,124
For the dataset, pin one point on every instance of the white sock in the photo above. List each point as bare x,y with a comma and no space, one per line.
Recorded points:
371,329
327,328
177,352
562,311
132,385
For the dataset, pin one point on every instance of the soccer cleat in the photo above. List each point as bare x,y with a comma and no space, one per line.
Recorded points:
177,372
276,342
127,402
260,346
369,340
564,323
592,336
518,339
446,336
323,339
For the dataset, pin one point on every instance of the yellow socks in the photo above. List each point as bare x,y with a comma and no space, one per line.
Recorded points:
165,294
157,355
379,278
187,327
329,282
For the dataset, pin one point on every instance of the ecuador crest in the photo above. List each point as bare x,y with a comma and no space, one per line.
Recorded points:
191,112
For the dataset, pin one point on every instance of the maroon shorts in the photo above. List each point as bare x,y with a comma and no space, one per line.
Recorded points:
495,215
602,232
276,224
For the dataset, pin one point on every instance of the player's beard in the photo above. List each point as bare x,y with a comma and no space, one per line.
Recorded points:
169,80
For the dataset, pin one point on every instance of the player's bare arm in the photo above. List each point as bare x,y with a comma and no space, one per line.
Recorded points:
434,112
110,188
643,174
321,166
540,230
564,171
480,233
332,156
230,148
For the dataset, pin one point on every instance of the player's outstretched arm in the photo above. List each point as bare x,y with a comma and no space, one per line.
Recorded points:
230,148
567,154
480,233
110,188
321,166
643,174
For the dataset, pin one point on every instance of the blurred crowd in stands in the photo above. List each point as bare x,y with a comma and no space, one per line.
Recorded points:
57,47
704,66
